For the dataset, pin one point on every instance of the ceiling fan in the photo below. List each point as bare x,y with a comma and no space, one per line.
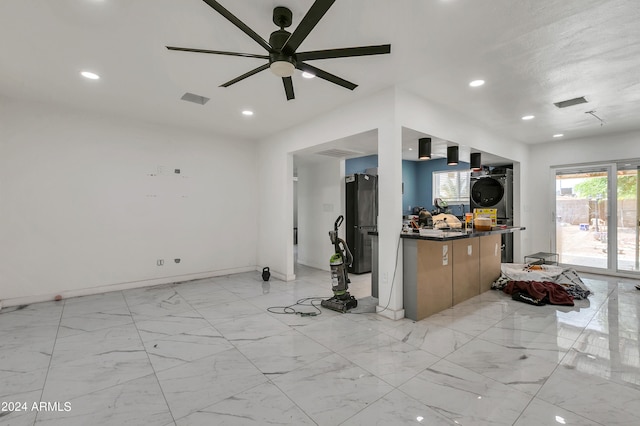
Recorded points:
282,45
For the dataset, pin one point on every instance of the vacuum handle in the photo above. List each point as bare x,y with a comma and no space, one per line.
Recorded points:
347,252
338,222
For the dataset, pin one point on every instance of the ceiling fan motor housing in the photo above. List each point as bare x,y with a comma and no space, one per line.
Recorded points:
278,38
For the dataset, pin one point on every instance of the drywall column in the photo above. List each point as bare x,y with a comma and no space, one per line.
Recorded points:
289,261
274,209
390,303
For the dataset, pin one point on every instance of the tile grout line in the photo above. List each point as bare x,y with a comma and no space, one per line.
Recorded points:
155,374
55,341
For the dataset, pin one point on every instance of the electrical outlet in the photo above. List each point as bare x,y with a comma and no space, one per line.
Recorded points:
177,260
160,262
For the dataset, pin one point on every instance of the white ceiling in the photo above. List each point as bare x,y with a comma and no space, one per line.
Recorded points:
531,53
364,144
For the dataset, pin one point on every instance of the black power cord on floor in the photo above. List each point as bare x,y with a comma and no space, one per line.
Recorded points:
393,279
314,302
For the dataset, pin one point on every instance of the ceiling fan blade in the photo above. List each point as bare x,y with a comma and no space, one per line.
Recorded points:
245,75
326,76
317,11
346,52
238,23
217,52
288,87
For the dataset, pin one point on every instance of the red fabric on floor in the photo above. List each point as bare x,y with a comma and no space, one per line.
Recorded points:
554,293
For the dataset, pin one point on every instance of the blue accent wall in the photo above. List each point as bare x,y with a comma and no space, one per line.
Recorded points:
424,186
410,182
360,165
417,179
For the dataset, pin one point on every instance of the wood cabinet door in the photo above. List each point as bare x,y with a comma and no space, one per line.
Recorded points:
490,260
434,291
466,269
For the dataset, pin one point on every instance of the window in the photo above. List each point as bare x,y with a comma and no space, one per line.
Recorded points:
452,186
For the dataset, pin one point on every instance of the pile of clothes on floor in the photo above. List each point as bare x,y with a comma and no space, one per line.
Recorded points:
541,284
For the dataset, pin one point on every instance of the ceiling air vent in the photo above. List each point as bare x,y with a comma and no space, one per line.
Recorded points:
338,153
571,102
196,99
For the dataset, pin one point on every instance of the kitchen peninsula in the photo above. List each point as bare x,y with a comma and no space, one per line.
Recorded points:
443,269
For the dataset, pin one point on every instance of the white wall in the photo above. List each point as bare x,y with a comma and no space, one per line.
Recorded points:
541,187
90,203
320,202
390,259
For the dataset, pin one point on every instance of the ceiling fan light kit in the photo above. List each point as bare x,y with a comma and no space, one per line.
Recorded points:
282,68
282,47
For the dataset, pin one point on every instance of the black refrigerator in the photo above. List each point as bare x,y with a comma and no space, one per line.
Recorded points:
361,218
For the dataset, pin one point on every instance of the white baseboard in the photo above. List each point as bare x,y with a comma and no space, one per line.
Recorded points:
27,300
389,313
316,265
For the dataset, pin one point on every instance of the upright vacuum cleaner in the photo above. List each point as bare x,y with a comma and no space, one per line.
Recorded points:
341,301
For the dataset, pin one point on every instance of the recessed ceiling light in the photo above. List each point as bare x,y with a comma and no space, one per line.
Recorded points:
558,135
476,83
410,149
247,112
528,117
90,75
307,74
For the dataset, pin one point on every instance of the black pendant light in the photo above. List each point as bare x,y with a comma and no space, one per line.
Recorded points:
424,148
452,156
476,161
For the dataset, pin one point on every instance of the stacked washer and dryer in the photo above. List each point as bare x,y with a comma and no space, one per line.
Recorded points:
494,190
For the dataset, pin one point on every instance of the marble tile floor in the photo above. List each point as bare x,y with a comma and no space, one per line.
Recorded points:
208,352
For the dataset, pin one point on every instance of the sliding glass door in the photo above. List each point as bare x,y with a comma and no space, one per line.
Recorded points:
628,222
596,217
581,216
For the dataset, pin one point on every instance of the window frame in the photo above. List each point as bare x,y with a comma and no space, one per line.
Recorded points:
461,186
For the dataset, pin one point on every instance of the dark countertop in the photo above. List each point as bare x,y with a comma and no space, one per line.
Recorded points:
455,235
